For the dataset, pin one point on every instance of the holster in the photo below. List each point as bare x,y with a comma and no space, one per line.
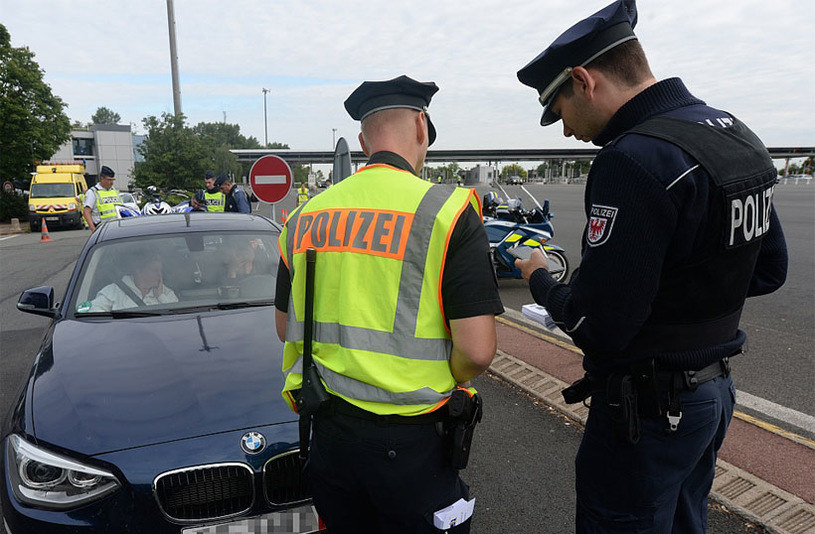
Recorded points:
579,391
463,414
622,399
310,399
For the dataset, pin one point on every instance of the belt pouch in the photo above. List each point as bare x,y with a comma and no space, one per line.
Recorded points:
647,386
622,399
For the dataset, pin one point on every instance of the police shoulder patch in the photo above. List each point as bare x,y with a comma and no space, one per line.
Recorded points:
601,222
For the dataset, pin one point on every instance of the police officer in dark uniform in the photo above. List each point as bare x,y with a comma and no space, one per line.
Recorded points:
236,201
395,369
681,229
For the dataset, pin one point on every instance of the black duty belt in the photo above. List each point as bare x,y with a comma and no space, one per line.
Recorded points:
338,405
693,379
664,380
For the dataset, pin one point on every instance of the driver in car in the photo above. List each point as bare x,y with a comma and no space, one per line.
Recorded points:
144,286
241,263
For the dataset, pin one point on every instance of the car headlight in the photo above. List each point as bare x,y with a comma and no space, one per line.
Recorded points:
32,207
71,206
48,480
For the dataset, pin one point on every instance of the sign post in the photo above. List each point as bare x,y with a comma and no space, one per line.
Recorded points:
342,161
270,178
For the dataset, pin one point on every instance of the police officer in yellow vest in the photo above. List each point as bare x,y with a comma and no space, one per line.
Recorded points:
100,199
302,194
404,316
213,198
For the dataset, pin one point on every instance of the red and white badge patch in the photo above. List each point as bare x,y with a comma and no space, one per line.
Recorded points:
601,222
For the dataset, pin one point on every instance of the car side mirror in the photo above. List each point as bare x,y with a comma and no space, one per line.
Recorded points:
39,301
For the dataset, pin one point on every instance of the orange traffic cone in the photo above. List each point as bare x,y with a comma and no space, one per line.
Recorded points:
44,238
284,216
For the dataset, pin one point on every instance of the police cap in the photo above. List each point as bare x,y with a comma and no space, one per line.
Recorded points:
578,46
221,179
401,92
209,174
107,171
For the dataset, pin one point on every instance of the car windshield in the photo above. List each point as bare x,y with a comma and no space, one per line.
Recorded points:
177,273
52,190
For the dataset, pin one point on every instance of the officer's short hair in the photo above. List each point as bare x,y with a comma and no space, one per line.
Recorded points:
625,64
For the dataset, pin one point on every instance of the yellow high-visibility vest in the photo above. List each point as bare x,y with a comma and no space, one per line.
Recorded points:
381,341
302,195
214,201
105,200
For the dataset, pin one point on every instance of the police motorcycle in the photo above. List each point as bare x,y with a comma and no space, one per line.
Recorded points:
156,205
510,229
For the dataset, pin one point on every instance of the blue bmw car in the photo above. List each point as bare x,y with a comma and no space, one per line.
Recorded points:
153,404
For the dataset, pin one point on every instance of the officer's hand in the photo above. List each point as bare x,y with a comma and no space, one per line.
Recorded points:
536,261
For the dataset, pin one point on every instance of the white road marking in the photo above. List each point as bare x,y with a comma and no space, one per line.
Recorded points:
8,237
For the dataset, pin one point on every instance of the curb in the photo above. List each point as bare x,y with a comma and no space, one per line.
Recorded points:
747,495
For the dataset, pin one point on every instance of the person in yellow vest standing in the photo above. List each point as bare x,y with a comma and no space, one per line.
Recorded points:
100,200
302,194
404,317
213,198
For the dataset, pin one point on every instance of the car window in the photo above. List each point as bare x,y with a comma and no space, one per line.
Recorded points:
126,197
179,272
51,190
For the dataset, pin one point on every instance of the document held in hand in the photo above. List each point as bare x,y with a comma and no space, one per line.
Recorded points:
455,514
539,314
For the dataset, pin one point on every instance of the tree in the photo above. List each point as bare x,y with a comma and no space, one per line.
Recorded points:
219,137
513,170
174,156
104,115
33,124
300,173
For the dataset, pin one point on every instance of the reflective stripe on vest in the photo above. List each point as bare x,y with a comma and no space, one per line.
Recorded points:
396,234
214,201
105,200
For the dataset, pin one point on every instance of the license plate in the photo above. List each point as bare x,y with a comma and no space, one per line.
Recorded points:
52,218
301,520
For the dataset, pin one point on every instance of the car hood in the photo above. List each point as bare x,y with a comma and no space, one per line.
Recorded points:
105,385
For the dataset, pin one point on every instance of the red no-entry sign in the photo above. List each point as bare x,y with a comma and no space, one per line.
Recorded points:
270,178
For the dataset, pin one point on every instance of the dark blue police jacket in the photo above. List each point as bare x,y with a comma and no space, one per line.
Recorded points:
654,218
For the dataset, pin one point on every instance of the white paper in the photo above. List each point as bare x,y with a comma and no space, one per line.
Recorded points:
539,314
455,514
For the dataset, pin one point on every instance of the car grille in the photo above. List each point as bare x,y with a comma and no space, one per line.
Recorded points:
205,492
284,479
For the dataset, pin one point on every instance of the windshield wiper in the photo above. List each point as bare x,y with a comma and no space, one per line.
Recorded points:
252,304
224,306
121,314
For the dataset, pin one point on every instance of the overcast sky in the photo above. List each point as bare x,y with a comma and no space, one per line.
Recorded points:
753,58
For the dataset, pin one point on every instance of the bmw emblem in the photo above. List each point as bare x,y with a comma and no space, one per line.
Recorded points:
253,442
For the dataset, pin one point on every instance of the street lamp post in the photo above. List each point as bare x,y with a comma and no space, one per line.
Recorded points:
174,58
333,138
265,127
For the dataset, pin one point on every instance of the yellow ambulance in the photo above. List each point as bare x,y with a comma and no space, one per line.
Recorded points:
56,195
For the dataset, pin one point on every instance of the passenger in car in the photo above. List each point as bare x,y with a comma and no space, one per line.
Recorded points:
143,286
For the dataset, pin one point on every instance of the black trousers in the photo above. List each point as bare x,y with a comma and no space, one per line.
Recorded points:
368,477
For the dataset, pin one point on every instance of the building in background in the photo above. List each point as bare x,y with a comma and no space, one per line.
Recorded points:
481,175
102,144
